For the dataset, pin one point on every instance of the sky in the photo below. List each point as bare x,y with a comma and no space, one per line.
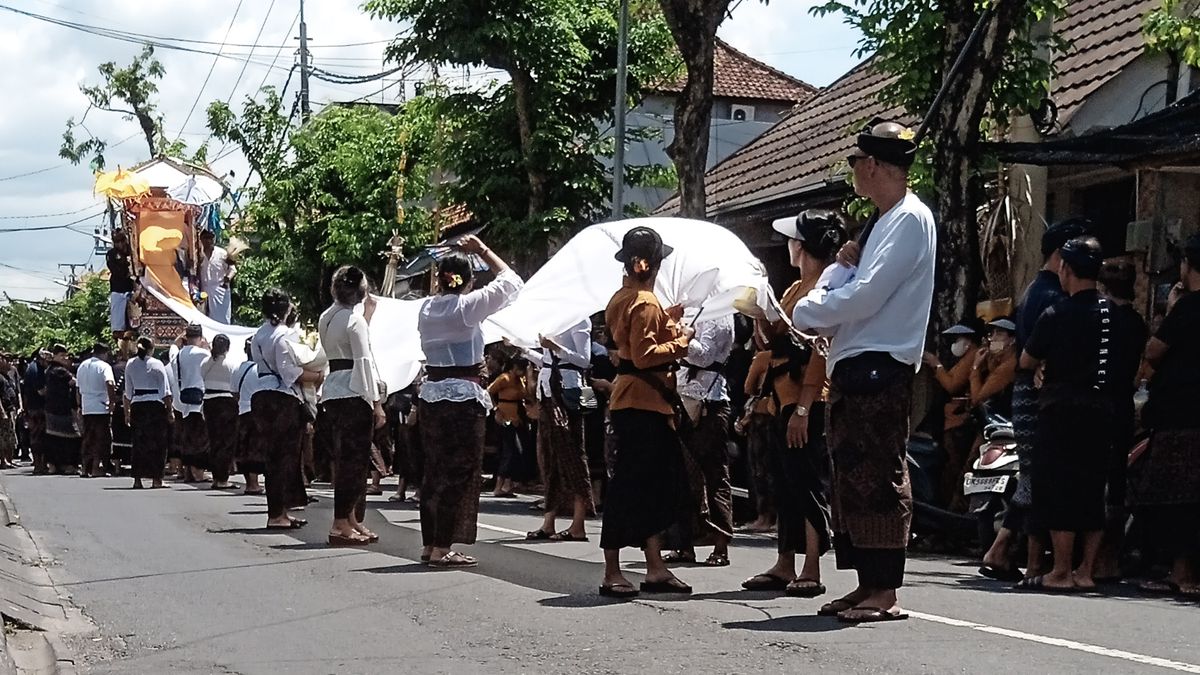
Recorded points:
46,63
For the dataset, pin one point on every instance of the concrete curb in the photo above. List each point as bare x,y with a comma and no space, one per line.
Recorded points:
29,601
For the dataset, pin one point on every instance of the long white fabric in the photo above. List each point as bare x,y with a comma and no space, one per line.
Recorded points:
709,268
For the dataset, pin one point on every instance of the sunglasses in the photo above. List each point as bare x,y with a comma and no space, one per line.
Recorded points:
853,159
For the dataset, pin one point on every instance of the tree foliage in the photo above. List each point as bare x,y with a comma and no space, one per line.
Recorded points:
1005,73
328,193
525,152
77,322
129,91
1174,29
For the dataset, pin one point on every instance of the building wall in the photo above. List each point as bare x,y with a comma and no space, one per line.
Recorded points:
1137,91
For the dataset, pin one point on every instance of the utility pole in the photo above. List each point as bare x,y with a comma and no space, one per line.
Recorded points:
618,194
72,284
305,109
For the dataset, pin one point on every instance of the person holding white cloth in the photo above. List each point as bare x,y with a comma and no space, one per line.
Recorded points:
147,413
351,407
453,402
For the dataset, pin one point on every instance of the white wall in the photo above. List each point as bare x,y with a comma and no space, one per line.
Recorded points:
1120,100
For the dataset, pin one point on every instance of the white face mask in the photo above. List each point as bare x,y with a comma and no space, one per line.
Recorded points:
996,346
959,348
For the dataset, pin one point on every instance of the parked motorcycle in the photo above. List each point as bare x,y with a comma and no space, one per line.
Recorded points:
990,485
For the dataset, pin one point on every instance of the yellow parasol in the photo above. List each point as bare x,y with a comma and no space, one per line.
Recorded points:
120,184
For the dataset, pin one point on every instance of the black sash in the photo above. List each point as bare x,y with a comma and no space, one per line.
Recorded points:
338,365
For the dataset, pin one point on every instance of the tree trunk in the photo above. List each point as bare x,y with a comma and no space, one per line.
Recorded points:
954,135
523,96
149,129
694,25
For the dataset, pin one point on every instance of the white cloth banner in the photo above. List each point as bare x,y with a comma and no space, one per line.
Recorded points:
709,268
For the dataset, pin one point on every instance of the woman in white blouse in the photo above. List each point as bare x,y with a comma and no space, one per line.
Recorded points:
147,414
351,407
278,410
453,402
220,412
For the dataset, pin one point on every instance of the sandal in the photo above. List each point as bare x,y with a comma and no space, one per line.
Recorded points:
618,591
254,493
805,588
870,615
454,560
566,535
677,557
671,585
717,560
765,582
293,524
1038,584
1010,574
339,539
538,535
1159,587
837,606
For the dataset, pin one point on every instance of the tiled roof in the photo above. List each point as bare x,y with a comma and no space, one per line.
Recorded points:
1105,36
737,75
803,150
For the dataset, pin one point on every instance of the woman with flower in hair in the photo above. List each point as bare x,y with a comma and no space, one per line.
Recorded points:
453,403
351,405
277,409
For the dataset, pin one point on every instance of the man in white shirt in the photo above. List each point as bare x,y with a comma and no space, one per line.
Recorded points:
876,310
98,395
188,383
216,275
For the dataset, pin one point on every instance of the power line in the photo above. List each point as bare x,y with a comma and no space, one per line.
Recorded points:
166,40
49,215
63,226
64,164
258,37
286,38
213,67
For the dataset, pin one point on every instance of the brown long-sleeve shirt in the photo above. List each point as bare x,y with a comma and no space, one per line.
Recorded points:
645,336
790,391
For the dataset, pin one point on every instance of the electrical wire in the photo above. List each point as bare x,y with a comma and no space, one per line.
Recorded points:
257,37
287,36
49,215
211,68
336,78
63,226
65,164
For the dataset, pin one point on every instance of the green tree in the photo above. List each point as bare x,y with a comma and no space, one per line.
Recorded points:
77,322
525,153
129,91
1004,74
1173,29
328,193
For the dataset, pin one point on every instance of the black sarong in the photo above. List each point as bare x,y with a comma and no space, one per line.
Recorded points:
562,457
279,422
647,492
452,435
348,426
1070,465
149,424
221,417
96,445
800,478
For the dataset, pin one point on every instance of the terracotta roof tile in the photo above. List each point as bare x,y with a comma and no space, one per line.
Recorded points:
803,150
740,76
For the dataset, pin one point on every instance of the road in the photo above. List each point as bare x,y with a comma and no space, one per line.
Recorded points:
183,580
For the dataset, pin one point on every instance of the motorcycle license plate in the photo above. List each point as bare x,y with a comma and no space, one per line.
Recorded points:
974,485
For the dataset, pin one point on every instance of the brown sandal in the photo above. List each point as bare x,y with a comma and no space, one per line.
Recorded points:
454,560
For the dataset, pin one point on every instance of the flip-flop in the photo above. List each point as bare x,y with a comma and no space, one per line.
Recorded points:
675,557
338,540
566,535
1011,575
295,524
717,560
254,493
538,535
836,607
669,586
397,499
424,558
1159,587
454,560
805,588
618,591
371,536
765,582
870,615
1038,584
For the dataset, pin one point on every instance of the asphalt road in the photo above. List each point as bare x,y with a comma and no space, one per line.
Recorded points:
182,580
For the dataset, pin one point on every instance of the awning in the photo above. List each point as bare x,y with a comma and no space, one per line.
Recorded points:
1168,137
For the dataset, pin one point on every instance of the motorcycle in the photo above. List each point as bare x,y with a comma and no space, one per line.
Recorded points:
990,485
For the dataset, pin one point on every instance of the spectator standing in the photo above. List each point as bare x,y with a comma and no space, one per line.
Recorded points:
98,396
1167,493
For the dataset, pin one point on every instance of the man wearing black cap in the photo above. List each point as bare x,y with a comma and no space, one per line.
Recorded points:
1043,292
876,309
120,283
1079,343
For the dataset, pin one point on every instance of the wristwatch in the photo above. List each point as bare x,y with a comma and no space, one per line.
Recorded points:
801,411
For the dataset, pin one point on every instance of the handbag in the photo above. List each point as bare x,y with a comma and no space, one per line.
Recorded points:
187,395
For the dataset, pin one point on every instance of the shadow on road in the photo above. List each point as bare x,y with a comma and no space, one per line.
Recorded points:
790,624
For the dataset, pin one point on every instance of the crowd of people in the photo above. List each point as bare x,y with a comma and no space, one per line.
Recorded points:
641,416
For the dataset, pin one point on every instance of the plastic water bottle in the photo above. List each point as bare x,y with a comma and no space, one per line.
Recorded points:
1141,396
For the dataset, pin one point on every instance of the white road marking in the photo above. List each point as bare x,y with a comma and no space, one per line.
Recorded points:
503,530
1059,642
